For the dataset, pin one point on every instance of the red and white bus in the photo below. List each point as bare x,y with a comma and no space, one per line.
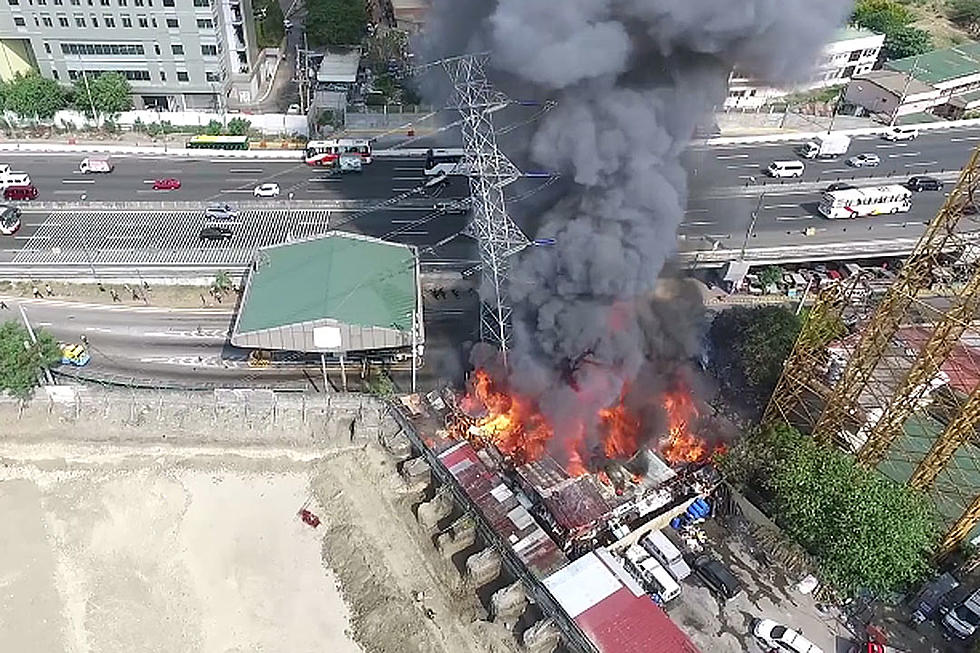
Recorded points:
323,153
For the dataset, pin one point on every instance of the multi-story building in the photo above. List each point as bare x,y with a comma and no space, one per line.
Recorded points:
176,54
852,52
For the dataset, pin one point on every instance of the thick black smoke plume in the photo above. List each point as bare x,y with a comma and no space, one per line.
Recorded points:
632,79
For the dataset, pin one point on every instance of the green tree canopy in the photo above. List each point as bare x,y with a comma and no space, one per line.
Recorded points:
21,361
894,20
865,530
335,22
749,345
107,94
35,97
769,275
238,127
270,25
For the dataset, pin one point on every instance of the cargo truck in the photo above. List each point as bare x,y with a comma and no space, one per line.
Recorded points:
96,164
826,146
10,177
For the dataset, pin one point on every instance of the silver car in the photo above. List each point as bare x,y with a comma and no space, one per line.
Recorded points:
220,212
867,160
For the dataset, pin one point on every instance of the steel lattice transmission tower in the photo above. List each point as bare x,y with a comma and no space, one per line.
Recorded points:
900,390
490,171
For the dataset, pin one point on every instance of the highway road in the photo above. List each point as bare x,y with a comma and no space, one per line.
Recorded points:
725,187
190,348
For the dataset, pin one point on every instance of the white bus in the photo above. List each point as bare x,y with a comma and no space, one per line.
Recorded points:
446,162
863,202
324,153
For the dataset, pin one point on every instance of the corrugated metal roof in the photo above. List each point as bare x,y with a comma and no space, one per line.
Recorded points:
338,292
339,67
941,65
616,618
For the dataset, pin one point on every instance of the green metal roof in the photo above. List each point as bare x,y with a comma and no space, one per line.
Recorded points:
941,65
352,279
851,33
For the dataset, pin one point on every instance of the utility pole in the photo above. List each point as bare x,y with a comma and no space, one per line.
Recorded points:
88,92
752,221
30,332
905,91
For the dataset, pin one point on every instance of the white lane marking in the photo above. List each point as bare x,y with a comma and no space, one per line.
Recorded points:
98,329
689,211
893,156
888,147
402,190
795,218
960,140
746,176
757,166
923,163
837,170
781,206
700,223
407,178
203,333
723,157
78,181
245,170
34,237
237,190
413,233
41,224
324,179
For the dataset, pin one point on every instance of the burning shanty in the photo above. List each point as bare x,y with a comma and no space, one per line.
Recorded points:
585,489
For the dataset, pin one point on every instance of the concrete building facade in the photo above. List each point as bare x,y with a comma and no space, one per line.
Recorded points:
852,52
176,54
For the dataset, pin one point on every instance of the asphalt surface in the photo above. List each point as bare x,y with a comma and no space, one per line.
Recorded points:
190,347
725,186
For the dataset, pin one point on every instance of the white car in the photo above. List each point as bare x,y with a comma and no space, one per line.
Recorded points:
901,134
867,160
266,190
783,638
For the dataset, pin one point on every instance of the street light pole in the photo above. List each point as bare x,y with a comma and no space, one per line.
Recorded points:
755,216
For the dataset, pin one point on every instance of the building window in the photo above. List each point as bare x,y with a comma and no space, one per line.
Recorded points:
172,23
46,19
47,47
126,21
205,23
209,50
37,22
122,3
41,3
168,3
202,3
153,21
103,49
59,2
54,73
79,20
131,75
182,76
75,2
19,21
95,20
137,3
109,21
142,22
163,76
156,48
13,2
177,49
62,20
212,76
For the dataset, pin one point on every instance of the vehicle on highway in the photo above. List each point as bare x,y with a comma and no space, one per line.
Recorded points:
220,212
28,192
99,164
74,354
785,169
266,190
826,146
717,577
10,177
446,162
208,142
326,153
782,638
170,183
898,133
215,233
864,160
293,110
864,202
9,220
452,208
919,184
840,185
349,162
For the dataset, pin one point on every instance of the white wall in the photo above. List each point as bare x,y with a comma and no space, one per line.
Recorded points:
267,123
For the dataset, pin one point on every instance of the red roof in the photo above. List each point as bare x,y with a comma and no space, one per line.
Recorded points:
613,611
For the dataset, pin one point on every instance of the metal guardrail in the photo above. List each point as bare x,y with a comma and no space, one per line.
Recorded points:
246,205
574,636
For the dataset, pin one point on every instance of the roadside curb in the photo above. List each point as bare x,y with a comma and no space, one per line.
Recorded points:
802,136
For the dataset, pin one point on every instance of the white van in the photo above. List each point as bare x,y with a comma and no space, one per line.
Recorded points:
661,548
96,164
785,169
660,580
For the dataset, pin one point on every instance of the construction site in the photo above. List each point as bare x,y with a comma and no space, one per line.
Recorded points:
892,376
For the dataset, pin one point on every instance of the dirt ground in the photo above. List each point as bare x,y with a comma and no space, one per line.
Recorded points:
159,295
127,544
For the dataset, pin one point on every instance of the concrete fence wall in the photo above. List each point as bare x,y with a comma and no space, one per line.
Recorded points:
267,123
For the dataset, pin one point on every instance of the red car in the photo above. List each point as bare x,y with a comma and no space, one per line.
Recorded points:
166,184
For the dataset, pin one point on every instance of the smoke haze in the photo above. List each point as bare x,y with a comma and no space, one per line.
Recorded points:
632,79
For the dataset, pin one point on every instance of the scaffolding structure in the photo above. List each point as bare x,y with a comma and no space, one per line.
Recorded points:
894,376
497,235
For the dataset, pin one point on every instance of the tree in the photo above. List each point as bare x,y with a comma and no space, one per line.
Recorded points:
238,127
749,346
22,361
214,128
906,42
102,95
269,25
222,282
770,275
35,97
865,530
335,22
965,13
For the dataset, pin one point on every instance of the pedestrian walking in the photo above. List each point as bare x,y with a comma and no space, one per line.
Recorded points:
37,293
114,294
3,305
136,295
47,289
84,339
204,302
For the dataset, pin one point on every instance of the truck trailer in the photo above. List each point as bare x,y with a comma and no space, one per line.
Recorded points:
826,146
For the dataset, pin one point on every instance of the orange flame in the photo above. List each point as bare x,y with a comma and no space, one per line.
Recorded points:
517,428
